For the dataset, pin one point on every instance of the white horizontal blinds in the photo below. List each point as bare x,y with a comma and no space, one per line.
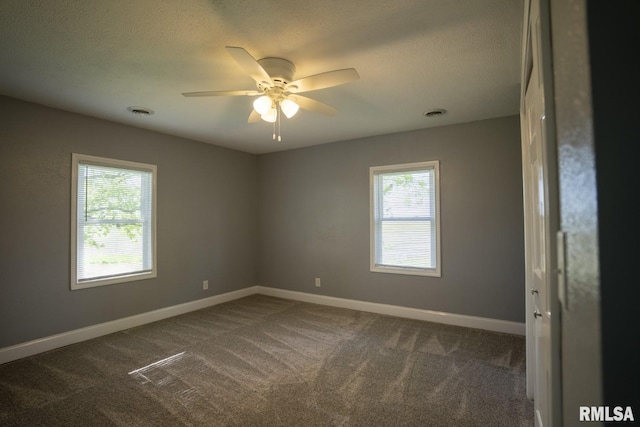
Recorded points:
405,219
114,224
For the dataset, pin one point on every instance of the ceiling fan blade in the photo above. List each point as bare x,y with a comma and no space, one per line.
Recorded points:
323,80
313,105
249,64
254,117
224,93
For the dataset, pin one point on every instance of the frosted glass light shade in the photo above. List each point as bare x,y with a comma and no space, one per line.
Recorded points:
289,108
262,105
270,116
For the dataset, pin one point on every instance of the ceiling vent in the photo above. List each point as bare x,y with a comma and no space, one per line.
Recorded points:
435,112
140,111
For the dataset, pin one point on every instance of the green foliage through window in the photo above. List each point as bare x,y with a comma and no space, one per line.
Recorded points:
112,200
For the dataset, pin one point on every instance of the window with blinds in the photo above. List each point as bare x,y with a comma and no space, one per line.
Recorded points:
113,221
405,223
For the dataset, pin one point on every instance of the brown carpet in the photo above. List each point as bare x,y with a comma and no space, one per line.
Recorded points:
264,361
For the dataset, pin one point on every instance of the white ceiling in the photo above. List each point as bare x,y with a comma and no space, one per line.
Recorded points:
98,57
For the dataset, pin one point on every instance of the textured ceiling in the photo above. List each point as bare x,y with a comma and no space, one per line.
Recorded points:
98,57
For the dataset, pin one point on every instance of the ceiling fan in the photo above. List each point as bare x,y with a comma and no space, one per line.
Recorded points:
277,90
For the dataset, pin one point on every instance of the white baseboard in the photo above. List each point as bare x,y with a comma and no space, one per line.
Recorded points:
495,325
18,351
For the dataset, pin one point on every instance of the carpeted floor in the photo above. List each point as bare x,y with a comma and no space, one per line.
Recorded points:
264,361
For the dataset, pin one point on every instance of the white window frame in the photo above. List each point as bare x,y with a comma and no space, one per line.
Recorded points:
149,240
375,222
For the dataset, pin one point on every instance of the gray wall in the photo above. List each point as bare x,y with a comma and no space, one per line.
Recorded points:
207,222
240,220
314,219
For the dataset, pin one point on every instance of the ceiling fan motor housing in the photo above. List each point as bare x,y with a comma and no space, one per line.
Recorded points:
280,70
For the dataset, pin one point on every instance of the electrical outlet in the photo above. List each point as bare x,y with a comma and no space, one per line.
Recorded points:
317,282
205,285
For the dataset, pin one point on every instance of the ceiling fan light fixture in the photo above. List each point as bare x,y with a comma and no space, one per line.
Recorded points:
270,116
262,105
289,107
275,80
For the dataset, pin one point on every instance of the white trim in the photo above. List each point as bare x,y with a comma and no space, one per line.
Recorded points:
18,351
76,160
495,325
375,208
30,348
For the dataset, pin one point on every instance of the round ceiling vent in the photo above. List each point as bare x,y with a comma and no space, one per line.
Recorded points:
435,112
140,111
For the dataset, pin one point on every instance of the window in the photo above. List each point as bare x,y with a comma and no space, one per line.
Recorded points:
113,225
405,223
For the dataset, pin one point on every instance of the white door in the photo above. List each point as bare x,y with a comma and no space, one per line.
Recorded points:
537,230
537,217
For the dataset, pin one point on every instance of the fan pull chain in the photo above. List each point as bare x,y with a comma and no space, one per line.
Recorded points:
278,115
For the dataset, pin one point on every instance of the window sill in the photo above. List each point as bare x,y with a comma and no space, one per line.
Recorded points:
113,280
406,271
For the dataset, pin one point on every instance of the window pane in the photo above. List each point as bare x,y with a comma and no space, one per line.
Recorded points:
407,194
112,193
406,244
111,250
